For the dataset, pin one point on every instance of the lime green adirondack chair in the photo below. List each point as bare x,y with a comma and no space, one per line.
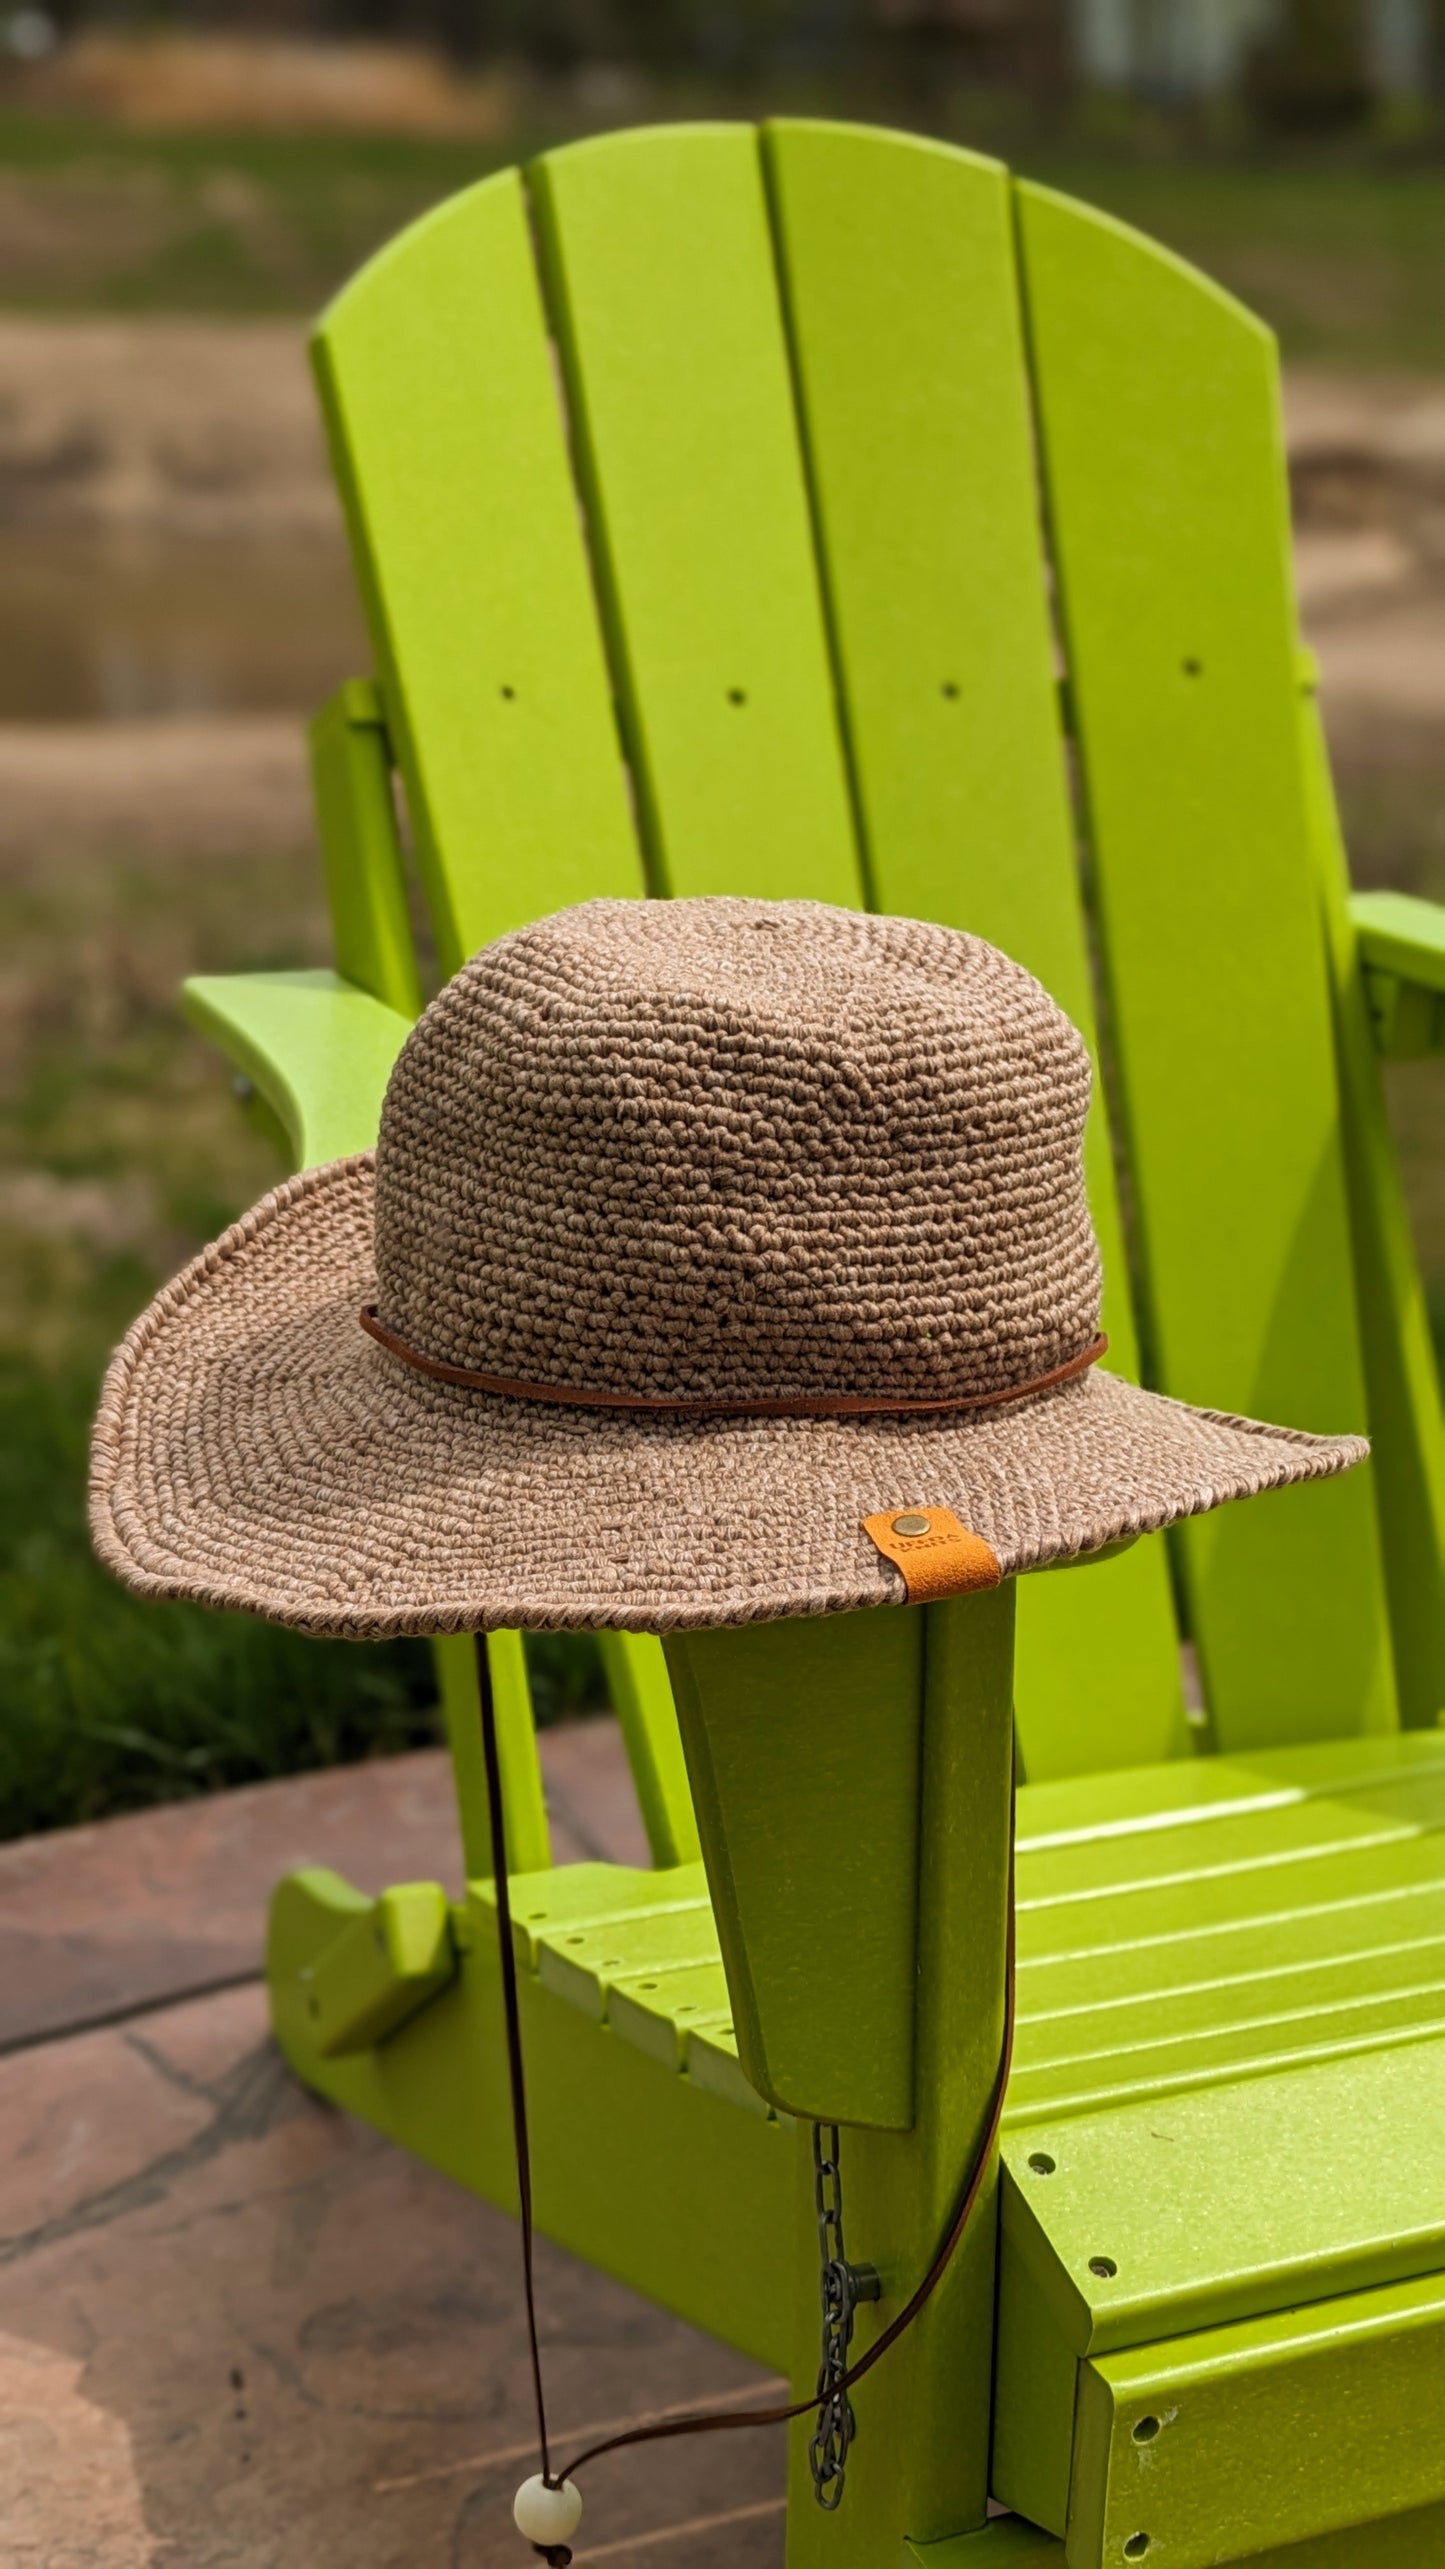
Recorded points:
758,599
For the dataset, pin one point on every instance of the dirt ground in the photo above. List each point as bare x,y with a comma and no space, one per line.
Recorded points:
175,80
176,428
168,478
1367,459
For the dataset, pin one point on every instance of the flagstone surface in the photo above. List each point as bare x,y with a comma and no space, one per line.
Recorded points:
169,1902
237,2327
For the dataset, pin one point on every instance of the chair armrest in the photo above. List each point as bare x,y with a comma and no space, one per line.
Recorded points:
1402,951
319,1051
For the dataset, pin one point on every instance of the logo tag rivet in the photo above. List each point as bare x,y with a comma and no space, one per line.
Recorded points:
912,1524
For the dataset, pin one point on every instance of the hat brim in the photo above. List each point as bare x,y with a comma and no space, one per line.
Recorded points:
255,1449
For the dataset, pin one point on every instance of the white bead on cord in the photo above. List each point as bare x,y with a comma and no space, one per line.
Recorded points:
545,2514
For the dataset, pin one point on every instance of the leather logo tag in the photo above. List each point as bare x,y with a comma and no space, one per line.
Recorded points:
937,1556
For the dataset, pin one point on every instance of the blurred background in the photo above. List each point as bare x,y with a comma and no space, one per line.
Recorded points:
180,187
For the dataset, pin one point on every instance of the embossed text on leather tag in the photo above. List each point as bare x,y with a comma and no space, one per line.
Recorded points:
937,1556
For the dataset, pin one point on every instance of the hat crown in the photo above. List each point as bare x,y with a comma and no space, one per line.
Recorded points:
728,1149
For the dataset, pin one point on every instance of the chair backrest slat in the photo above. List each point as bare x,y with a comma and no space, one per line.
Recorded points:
661,271
1402,1373
438,386
916,426
1157,401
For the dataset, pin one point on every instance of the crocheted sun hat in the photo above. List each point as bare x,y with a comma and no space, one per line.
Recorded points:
718,1260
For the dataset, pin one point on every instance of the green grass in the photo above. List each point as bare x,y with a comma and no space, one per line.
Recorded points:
119,222
122,1151
1343,253
110,1704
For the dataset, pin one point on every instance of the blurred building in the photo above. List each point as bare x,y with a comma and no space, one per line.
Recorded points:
1300,62
1182,50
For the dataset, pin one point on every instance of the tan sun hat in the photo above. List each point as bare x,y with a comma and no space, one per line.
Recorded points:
718,1260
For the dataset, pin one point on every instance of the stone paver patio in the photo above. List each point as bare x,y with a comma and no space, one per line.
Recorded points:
238,2328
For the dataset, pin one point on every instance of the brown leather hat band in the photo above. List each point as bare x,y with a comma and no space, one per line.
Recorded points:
784,1405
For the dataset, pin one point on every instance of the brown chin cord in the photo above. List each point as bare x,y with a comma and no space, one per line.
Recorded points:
558,2555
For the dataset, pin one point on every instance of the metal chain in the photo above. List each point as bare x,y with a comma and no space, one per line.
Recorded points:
841,2287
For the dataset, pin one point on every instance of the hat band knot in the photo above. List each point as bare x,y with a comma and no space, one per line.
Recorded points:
759,1405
